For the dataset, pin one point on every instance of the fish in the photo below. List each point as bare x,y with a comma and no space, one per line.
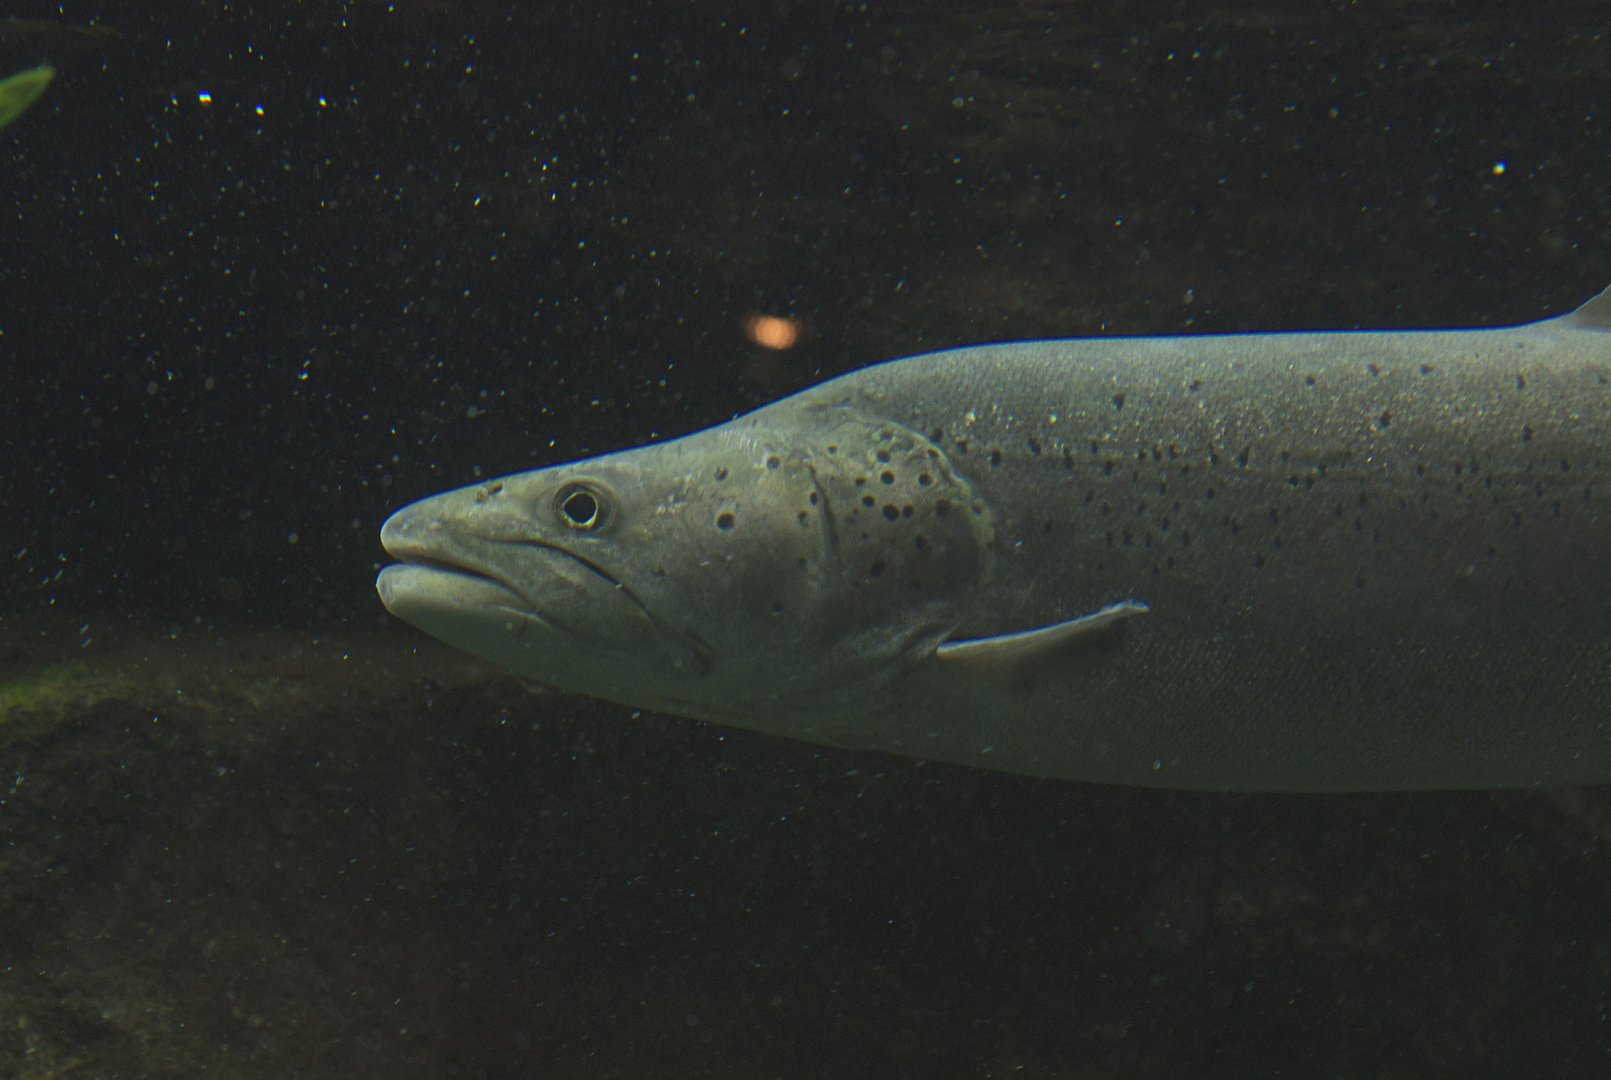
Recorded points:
21,90
1337,561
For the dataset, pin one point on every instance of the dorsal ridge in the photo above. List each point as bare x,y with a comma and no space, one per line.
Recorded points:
1594,314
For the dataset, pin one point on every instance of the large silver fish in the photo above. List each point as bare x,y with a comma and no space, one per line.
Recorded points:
1255,562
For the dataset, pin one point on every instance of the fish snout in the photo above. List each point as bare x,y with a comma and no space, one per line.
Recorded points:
408,533
468,516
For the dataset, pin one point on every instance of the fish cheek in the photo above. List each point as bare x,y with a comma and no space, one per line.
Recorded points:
742,564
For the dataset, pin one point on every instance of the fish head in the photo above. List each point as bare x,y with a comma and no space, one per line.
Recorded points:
740,567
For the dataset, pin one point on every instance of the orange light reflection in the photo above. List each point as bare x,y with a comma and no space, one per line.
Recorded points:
771,332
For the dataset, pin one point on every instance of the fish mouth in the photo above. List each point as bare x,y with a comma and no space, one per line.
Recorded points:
404,586
423,565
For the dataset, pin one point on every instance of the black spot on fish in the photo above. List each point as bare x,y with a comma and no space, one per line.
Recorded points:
995,457
1034,445
942,507
868,500
1527,433
891,511
886,477
908,510
876,569
883,455
724,520
813,498
1195,385
721,473
925,479
805,516
1308,380
1118,401
1384,419
1426,369
1521,383
1373,369
773,462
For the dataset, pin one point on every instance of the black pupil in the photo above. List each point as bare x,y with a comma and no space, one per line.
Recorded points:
580,507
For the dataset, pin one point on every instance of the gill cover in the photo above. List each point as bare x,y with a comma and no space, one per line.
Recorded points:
909,541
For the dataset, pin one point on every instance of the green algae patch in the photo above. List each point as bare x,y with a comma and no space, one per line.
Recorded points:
34,704
21,90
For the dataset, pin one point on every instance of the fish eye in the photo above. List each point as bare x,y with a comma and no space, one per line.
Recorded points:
583,507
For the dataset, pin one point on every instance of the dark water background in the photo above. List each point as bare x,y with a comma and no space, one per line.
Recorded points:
270,270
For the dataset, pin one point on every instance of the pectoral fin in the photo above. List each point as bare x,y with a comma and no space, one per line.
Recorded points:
1012,654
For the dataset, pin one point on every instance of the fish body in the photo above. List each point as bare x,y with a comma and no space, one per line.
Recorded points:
1339,561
